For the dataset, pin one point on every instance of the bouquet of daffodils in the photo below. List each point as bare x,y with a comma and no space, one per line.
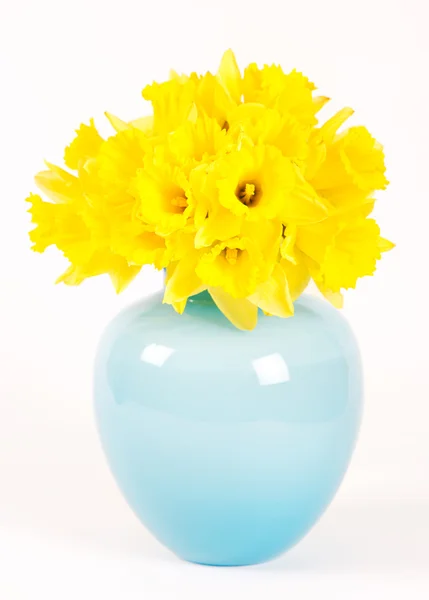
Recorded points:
231,185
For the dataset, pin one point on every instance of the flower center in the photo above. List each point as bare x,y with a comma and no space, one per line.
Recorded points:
179,202
248,193
231,255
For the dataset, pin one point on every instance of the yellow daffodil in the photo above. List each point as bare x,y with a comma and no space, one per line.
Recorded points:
240,264
352,253
198,139
289,93
253,181
354,159
120,156
267,126
164,195
171,101
231,185
345,168
338,252
61,225
85,145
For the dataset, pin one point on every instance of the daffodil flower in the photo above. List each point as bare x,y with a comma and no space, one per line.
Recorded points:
230,184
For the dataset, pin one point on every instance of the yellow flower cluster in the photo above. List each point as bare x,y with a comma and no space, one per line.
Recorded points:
231,185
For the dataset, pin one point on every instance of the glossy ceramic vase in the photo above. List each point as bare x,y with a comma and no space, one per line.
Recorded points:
228,445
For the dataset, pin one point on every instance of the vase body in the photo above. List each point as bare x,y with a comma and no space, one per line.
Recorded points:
228,445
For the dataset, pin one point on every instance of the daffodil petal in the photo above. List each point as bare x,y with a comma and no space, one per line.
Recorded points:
123,276
385,245
221,225
85,145
335,298
145,124
117,123
288,243
182,281
179,307
303,205
330,128
320,101
273,295
59,185
242,313
297,276
193,114
229,75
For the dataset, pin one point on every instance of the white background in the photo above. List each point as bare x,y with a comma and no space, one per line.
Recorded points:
65,531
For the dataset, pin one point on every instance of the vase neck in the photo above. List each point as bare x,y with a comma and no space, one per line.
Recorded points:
203,298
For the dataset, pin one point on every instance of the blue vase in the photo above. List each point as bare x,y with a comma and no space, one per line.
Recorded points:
228,445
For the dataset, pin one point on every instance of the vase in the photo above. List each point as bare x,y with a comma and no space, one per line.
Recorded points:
228,445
